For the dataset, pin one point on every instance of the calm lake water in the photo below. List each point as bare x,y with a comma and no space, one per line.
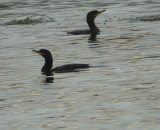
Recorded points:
120,92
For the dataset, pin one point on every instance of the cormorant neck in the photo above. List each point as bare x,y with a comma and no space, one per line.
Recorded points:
92,25
47,65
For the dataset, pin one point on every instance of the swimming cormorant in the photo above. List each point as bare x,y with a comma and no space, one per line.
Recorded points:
47,67
90,20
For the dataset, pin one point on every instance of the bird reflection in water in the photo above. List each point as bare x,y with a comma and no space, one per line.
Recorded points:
49,79
49,76
92,37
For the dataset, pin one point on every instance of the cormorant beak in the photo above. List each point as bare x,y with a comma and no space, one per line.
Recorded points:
99,12
42,54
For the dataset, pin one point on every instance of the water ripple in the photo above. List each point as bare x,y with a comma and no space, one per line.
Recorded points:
33,19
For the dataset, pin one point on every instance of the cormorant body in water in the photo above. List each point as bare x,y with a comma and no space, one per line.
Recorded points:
93,29
47,67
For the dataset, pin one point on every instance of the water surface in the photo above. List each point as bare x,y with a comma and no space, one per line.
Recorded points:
121,90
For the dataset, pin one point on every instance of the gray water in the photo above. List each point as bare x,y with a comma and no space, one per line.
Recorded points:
120,92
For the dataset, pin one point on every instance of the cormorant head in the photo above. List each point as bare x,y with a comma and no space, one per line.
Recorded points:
46,69
93,14
43,52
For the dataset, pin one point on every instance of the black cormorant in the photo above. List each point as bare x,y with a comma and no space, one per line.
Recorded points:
47,67
90,20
